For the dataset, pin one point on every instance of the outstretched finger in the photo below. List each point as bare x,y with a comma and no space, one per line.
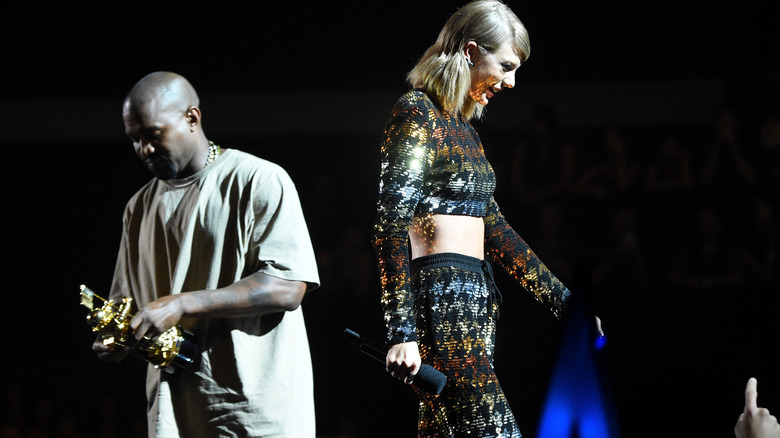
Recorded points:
751,396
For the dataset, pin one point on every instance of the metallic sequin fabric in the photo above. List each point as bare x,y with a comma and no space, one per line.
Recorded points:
456,323
432,162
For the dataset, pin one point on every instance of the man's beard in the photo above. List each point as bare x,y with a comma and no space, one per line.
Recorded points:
163,168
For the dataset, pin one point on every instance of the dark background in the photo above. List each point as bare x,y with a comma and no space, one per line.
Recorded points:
309,85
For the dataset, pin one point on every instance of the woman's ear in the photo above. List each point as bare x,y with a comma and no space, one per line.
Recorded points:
469,50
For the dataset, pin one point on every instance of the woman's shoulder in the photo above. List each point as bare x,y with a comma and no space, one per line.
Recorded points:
416,103
414,98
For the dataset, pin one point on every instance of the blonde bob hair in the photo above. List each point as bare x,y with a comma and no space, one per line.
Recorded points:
443,70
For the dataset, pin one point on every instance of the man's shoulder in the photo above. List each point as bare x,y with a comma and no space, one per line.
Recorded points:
238,158
240,163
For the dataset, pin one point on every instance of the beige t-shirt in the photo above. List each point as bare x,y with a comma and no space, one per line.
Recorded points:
239,215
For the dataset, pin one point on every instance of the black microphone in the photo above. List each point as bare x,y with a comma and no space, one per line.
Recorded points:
427,378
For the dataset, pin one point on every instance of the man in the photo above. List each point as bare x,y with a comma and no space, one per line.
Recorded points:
217,243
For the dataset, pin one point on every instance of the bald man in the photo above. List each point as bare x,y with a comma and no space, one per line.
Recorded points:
216,242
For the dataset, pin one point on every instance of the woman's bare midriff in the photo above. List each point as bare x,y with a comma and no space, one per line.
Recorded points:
438,233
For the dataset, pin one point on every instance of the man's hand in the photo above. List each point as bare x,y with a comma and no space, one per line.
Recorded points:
109,353
755,422
256,294
157,317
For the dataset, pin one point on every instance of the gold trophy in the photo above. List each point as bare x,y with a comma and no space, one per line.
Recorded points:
112,322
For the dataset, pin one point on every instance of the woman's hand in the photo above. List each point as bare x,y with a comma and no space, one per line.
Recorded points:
403,361
755,422
599,330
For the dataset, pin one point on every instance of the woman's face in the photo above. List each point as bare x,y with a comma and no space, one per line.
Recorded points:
491,72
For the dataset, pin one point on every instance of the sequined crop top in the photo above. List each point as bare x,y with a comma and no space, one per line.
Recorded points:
433,162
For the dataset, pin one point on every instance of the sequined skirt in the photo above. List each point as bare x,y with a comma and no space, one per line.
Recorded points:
456,308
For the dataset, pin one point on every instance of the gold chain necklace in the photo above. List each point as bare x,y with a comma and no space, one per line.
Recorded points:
214,151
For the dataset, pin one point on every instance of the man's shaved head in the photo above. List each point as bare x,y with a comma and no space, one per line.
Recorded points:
162,118
167,90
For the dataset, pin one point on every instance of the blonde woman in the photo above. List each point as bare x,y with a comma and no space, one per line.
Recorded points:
437,222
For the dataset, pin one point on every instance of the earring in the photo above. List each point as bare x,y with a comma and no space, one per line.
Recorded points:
471,64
